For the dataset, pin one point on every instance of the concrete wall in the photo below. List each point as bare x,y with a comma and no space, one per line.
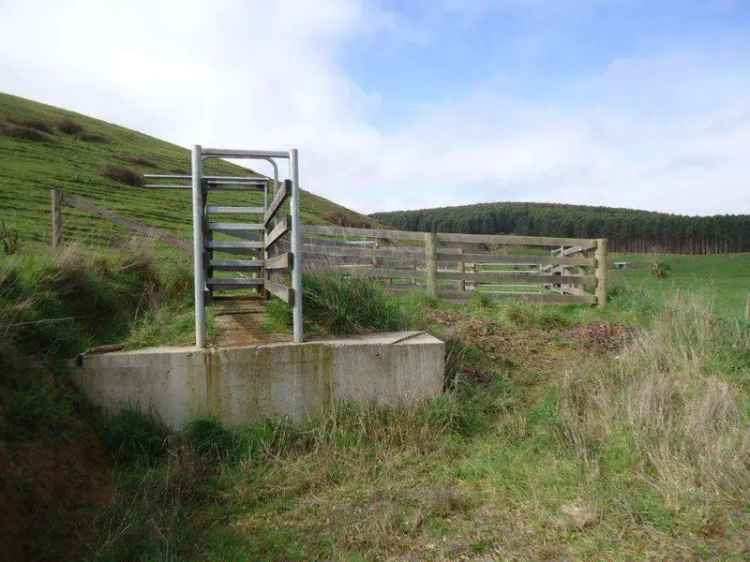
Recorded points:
237,385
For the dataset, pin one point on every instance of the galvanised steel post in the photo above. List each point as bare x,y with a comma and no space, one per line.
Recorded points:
296,247
199,272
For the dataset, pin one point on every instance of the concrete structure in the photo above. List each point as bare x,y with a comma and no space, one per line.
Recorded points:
241,384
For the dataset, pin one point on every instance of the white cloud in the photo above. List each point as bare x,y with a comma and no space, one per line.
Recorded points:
668,131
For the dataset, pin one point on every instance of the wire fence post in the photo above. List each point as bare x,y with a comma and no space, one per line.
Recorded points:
56,197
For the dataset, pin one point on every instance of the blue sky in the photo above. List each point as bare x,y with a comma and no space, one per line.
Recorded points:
417,104
527,49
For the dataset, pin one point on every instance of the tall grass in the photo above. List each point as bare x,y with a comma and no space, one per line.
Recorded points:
666,404
338,305
208,468
57,303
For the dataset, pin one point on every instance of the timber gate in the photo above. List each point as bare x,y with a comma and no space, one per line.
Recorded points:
455,266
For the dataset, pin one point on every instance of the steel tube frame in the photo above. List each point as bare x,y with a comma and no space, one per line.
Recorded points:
187,177
199,279
296,247
258,154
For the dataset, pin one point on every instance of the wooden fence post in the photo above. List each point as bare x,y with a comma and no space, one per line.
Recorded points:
601,272
56,197
461,269
430,263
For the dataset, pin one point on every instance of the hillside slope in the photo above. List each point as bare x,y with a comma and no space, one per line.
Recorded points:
627,229
37,154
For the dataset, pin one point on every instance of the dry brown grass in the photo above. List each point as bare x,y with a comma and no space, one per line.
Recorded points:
688,433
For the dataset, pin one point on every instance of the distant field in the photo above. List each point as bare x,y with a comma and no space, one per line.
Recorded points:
725,277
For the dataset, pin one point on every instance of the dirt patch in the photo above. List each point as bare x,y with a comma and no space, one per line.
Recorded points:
240,323
601,336
531,348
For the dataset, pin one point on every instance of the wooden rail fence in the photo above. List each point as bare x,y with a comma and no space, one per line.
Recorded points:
446,265
456,266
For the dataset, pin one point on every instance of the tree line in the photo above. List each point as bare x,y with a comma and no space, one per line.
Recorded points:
627,230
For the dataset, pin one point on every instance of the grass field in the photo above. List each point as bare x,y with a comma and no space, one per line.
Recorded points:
725,278
37,155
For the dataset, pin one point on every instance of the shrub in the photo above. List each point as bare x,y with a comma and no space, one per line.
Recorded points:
23,133
36,124
350,221
660,269
122,175
132,437
70,127
93,137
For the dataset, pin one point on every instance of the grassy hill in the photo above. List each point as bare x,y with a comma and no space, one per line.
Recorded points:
42,147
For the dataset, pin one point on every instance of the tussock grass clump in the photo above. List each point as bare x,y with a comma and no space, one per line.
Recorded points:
70,127
342,305
338,305
663,414
122,175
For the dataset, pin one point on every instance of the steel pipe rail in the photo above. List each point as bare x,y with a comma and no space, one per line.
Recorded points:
259,154
211,178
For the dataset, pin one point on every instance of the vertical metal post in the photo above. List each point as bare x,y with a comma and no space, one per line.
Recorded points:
296,247
601,272
198,247
747,309
57,224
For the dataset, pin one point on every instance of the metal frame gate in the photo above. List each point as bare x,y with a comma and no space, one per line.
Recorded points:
255,238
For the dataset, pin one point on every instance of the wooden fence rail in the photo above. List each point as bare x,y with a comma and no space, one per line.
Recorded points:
454,266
